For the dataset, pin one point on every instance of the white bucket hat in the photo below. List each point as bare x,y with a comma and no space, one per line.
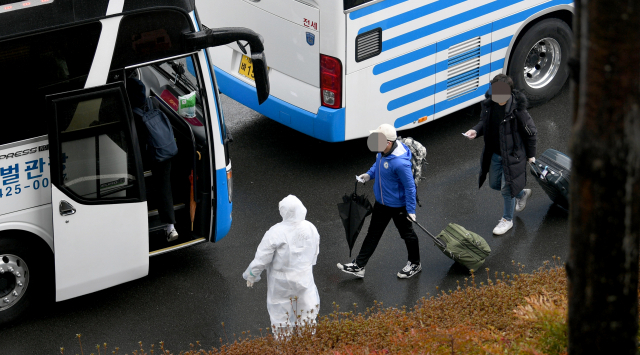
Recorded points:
388,130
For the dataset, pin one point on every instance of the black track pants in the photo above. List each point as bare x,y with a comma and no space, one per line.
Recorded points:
379,220
161,176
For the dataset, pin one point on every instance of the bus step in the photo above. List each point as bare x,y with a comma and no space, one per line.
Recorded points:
179,206
158,228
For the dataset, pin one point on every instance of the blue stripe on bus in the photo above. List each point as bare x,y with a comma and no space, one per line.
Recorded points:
411,15
411,98
423,73
464,57
408,79
429,50
404,59
433,89
463,78
414,116
430,110
445,104
374,8
501,43
442,86
476,32
223,206
497,25
446,23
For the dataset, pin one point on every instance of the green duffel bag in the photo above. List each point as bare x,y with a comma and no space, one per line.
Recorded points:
463,246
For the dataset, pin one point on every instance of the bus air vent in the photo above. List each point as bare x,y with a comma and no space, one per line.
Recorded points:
463,68
369,44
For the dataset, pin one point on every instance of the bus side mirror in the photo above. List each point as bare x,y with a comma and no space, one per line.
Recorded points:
213,37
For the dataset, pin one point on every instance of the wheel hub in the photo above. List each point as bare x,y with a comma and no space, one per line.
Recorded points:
14,279
542,63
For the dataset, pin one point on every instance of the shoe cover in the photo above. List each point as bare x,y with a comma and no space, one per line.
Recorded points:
288,252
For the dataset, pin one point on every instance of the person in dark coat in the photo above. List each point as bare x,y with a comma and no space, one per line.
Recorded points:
509,143
160,171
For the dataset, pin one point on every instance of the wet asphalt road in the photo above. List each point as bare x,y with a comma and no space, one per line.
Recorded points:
190,293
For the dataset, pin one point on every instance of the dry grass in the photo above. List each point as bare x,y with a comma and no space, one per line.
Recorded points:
501,314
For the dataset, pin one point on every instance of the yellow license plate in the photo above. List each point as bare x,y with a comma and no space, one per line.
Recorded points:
246,67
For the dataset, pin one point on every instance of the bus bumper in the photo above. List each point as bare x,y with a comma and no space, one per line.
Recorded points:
327,125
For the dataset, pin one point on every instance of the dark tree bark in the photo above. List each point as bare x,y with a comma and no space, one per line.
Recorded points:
605,182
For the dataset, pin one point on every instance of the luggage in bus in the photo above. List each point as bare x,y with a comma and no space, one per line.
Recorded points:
552,171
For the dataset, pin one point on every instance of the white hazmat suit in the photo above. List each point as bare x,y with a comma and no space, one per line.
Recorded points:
288,252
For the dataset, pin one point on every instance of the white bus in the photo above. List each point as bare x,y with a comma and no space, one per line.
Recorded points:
341,68
74,213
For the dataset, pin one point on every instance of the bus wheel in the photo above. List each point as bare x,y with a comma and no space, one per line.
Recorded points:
18,288
538,65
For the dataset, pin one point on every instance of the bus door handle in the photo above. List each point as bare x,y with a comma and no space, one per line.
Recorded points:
66,209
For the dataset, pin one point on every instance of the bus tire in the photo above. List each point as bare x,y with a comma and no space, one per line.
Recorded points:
26,276
538,65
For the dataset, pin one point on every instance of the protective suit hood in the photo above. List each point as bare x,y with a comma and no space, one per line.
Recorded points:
292,210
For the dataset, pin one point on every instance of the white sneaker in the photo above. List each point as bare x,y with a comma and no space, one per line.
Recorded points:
521,203
171,236
502,227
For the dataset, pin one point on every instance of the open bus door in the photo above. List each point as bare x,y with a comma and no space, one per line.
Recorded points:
97,194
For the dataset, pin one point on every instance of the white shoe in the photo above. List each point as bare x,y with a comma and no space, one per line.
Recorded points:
502,227
521,203
171,236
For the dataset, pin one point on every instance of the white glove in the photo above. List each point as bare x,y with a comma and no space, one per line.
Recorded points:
412,216
249,283
363,178
532,160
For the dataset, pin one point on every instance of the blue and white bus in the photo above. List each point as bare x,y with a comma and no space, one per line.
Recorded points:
74,212
341,68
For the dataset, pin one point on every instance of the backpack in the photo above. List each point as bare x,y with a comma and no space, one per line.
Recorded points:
418,160
160,133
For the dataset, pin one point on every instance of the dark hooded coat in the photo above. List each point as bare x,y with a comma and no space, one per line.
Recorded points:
517,141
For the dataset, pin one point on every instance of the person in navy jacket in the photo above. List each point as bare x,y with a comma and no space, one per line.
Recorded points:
395,193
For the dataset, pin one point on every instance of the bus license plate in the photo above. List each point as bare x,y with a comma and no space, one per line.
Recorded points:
246,67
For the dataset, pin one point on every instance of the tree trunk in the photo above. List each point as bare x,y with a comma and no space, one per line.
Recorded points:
605,182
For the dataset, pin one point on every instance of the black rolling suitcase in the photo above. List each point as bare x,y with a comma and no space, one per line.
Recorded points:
552,171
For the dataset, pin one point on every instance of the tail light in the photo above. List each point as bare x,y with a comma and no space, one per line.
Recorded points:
331,81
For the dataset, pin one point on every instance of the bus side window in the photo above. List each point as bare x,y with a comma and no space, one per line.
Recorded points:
39,65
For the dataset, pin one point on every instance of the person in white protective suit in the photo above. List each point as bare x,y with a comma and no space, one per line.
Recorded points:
288,252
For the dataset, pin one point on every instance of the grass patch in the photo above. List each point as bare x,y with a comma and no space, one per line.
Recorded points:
495,313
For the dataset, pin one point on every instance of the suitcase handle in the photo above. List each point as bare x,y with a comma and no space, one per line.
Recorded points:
536,171
436,240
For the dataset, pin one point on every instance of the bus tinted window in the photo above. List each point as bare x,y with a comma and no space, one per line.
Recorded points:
353,3
37,65
149,36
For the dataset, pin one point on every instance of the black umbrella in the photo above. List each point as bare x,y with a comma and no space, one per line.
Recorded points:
353,211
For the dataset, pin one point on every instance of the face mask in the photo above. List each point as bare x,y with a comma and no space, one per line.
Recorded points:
377,142
500,92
